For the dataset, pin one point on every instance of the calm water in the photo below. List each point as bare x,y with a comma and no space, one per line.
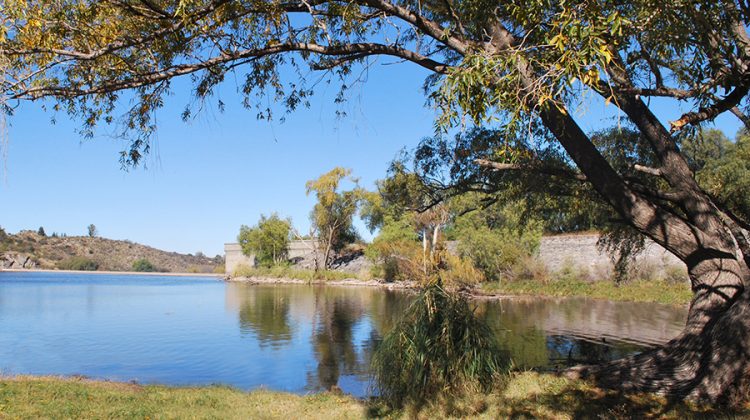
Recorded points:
181,330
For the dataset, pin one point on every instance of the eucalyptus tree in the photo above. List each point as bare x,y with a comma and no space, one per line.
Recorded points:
523,66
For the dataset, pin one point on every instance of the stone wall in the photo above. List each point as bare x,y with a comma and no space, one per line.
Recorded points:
578,251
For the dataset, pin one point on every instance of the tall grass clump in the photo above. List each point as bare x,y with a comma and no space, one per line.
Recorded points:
438,348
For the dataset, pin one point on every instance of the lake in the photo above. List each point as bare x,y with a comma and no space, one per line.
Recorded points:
297,338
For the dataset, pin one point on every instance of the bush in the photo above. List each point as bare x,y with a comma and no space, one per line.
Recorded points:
78,264
396,260
496,252
439,347
143,265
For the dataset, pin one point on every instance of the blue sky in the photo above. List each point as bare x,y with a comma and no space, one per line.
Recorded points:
205,178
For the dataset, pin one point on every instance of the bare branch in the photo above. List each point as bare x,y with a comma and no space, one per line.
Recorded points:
547,170
647,170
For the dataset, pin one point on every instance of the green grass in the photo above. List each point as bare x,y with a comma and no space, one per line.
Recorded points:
31,397
659,291
291,273
521,395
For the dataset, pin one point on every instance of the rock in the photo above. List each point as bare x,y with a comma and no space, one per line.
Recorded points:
17,261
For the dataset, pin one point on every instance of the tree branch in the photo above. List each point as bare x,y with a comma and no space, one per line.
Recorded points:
348,50
546,170
705,114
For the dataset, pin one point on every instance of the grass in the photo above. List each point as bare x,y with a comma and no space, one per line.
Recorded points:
283,271
658,291
521,395
46,397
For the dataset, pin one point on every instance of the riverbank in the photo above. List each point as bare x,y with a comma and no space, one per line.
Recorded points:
654,291
124,273
524,394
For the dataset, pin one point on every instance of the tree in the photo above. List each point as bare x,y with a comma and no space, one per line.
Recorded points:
92,231
268,240
41,231
521,66
333,214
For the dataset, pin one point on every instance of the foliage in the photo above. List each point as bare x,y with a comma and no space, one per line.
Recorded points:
41,232
78,264
92,231
3,235
268,240
497,238
144,265
722,168
334,211
395,252
438,347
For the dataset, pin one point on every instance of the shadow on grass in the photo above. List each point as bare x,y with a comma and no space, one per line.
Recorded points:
533,395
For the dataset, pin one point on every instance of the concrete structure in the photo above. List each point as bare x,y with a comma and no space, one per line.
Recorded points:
234,257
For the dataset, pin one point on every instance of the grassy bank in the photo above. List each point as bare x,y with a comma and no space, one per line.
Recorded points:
34,397
659,291
522,395
290,272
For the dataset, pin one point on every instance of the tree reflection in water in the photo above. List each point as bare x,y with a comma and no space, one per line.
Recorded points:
265,313
329,333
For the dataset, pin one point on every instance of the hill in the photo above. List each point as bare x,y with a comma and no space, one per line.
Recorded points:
28,249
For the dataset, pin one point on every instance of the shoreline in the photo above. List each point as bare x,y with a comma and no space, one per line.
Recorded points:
475,293
346,282
125,273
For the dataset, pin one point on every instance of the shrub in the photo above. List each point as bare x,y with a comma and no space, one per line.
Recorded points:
496,251
78,264
143,265
439,347
460,272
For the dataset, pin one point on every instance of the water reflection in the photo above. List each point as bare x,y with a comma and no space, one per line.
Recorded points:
294,338
554,333
265,312
343,326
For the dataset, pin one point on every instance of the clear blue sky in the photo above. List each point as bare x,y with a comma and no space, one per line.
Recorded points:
206,178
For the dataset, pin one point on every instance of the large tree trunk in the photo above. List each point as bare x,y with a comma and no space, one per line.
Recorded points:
709,360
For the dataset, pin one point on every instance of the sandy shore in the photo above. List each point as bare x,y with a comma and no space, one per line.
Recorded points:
127,273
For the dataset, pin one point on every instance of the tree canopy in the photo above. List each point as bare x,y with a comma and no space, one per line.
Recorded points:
268,240
332,216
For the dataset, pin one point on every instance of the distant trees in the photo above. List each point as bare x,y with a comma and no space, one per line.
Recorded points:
333,214
92,231
41,232
144,265
268,240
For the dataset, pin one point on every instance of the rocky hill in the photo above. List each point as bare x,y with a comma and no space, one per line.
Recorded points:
28,249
